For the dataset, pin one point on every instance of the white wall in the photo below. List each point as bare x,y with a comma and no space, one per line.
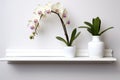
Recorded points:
14,33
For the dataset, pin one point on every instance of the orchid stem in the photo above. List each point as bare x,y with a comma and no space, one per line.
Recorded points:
63,25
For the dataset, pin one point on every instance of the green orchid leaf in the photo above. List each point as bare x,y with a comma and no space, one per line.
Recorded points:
75,38
106,30
61,39
77,35
73,35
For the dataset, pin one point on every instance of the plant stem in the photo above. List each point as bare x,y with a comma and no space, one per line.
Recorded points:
37,25
64,26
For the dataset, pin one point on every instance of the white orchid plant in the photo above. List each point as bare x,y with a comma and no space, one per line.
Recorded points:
42,11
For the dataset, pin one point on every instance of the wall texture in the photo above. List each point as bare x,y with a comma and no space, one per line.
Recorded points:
14,33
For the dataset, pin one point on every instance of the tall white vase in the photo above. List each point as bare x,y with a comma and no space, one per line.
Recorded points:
69,51
96,47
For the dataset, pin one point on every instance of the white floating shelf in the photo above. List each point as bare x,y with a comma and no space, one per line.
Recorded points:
47,55
106,59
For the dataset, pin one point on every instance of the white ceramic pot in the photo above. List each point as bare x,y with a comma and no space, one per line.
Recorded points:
70,51
96,47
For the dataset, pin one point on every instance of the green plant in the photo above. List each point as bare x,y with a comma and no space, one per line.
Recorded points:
74,35
94,27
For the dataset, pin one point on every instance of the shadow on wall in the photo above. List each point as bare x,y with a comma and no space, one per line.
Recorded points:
63,67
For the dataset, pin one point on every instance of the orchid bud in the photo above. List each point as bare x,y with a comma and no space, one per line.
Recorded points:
39,12
48,11
33,33
64,15
31,37
68,22
32,27
35,21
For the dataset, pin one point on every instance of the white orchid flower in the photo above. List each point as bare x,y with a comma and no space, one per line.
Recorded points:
57,8
42,11
35,19
65,17
48,6
39,10
65,13
47,9
31,25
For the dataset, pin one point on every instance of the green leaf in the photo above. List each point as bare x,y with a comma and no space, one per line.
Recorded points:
74,38
77,35
61,39
73,35
89,24
105,30
83,27
90,31
96,23
99,24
